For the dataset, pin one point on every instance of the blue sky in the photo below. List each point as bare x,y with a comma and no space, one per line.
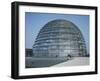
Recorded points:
35,21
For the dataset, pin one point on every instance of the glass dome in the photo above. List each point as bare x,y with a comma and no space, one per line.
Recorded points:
59,38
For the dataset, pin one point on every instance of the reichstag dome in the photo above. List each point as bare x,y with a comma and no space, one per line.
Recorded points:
59,38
